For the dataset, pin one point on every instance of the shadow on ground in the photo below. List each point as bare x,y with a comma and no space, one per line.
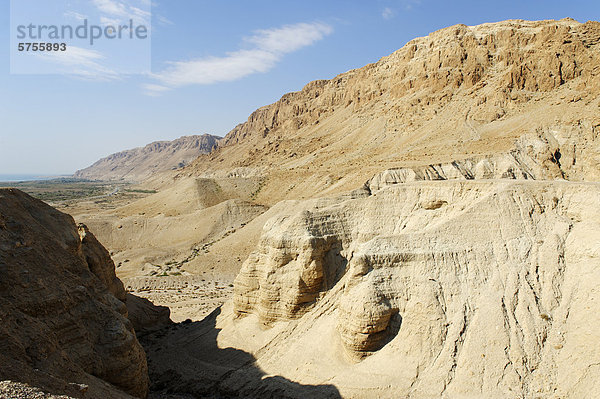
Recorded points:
184,361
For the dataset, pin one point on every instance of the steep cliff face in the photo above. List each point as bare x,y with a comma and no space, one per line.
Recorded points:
64,320
140,163
461,93
521,55
473,287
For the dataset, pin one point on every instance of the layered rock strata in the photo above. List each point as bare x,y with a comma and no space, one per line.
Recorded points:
454,279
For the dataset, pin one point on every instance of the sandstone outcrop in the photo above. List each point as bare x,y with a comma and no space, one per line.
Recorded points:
64,320
140,163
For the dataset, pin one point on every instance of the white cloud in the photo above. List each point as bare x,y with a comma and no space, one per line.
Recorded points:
268,47
388,13
209,70
289,38
163,20
75,15
140,13
154,90
111,7
108,21
81,62
123,11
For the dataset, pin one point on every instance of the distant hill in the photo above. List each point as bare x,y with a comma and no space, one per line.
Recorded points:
139,163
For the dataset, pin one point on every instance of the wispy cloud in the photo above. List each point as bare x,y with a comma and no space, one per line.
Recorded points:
404,5
75,15
163,20
154,90
81,62
122,10
139,13
388,13
268,46
108,21
111,7
410,4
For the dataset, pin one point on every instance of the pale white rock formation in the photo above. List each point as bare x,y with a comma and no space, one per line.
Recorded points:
432,289
534,157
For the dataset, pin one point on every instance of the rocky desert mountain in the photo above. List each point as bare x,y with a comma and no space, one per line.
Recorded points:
425,226
140,163
505,95
65,327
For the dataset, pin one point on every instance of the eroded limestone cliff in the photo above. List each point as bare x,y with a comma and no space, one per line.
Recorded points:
459,288
462,94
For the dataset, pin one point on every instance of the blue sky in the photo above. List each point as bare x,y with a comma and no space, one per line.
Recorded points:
212,64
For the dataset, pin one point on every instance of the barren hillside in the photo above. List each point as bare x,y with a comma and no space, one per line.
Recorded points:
140,163
462,92
514,99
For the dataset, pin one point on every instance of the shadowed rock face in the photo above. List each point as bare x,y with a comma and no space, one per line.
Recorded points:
99,262
187,359
62,308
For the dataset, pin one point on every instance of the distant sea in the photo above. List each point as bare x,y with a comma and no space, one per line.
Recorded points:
19,178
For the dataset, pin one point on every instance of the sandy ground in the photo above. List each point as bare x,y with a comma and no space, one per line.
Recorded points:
188,296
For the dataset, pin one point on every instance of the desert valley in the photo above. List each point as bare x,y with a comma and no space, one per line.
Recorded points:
426,226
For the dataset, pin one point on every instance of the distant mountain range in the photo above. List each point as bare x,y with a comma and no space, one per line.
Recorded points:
139,163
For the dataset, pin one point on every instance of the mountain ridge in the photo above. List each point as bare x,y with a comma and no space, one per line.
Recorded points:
460,92
139,163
